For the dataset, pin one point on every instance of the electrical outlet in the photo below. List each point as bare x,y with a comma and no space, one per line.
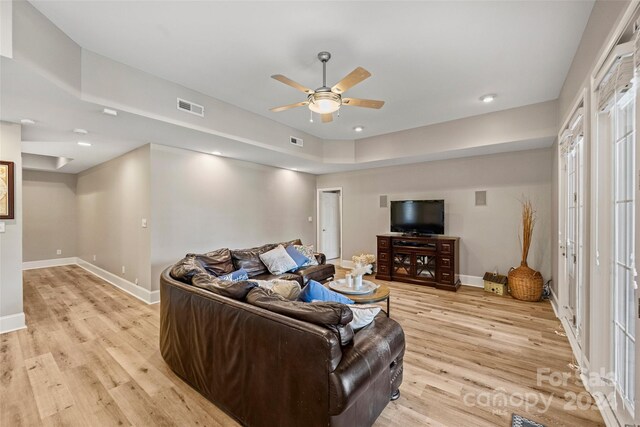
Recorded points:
136,281
123,270
310,219
59,252
95,258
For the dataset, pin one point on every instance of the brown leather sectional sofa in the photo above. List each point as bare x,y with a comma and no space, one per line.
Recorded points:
270,362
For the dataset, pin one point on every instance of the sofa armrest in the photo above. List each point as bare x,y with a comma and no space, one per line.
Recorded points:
321,258
373,360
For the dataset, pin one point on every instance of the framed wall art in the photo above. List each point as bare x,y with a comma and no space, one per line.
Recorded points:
6,190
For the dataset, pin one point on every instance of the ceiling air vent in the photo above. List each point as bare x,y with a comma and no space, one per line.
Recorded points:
190,107
296,141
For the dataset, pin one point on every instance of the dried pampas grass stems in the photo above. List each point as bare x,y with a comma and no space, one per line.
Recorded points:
528,223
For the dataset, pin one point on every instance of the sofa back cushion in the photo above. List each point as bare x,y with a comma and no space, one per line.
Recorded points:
217,262
291,242
249,259
236,290
331,315
186,268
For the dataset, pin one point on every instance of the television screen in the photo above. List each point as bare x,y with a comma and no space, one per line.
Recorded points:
417,216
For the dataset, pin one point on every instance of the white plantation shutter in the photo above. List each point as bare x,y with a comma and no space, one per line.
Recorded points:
616,83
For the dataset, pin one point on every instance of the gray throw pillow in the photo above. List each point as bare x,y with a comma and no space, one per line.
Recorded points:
278,261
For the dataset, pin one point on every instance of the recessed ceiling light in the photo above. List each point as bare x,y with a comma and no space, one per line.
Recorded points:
84,144
80,131
358,128
27,122
488,98
217,153
109,112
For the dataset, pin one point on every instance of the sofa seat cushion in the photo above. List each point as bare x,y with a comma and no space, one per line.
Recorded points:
376,350
290,289
317,272
285,276
249,259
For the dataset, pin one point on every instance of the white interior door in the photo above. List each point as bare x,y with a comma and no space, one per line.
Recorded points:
329,235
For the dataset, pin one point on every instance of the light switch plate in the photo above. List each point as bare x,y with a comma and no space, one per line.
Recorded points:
144,222
310,219
2,229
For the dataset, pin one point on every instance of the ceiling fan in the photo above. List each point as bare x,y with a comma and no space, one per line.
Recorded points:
327,100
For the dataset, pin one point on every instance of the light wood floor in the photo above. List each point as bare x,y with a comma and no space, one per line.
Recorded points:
90,357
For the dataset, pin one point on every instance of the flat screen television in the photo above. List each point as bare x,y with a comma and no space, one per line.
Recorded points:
417,216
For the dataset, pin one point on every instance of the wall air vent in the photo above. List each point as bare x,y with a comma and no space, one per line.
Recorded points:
190,107
296,141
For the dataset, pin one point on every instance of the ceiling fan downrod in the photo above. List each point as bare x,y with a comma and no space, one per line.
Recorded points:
324,57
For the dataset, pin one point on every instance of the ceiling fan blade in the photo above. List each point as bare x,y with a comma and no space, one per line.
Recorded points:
288,107
326,118
295,85
366,103
352,79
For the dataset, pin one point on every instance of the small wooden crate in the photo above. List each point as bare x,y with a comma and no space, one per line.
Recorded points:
495,283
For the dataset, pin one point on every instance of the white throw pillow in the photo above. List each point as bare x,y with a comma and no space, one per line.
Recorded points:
278,260
363,315
289,289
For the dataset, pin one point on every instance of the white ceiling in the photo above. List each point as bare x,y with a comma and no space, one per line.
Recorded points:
27,94
430,61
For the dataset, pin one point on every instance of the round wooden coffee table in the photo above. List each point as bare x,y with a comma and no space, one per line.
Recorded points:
380,294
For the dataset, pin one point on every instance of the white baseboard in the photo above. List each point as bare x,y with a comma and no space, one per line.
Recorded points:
346,264
475,281
56,262
554,304
12,323
588,377
150,297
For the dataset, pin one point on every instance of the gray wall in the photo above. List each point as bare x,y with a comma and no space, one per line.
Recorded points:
203,202
49,201
11,239
489,235
112,199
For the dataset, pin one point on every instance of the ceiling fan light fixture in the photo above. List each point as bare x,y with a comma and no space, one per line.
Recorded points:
324,102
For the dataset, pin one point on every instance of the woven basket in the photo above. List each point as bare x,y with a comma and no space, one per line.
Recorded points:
525,283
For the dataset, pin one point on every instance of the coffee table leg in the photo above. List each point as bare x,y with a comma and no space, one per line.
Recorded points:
388,307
